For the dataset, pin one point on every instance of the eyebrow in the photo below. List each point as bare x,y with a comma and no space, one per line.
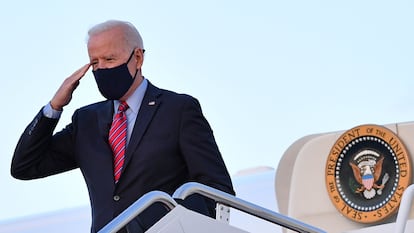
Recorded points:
112,55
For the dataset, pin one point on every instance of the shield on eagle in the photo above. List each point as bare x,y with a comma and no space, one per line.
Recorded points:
368,181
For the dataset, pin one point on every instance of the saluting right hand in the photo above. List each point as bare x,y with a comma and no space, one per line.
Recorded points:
64,94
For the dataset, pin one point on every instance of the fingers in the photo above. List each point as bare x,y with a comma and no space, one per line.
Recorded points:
82,71
64,94
77,75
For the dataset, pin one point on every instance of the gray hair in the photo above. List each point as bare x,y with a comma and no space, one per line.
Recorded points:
131,35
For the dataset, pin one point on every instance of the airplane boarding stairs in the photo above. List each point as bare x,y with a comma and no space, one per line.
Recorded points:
182,220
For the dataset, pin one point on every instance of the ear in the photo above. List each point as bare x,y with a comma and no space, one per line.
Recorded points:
139,57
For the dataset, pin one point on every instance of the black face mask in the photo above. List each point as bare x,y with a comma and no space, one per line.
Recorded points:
114,82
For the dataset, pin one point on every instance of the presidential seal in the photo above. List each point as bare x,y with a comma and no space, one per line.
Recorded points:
367,171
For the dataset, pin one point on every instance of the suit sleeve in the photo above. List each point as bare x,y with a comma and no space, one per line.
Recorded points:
39,153
200,151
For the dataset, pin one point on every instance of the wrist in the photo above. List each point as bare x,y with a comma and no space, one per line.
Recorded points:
55,106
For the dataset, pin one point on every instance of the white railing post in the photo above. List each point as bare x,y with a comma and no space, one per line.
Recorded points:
404,210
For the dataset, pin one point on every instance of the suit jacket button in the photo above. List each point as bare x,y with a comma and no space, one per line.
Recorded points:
116,198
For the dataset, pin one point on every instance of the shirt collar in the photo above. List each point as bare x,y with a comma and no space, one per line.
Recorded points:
135,100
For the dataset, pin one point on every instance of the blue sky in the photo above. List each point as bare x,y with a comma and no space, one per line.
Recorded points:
266,73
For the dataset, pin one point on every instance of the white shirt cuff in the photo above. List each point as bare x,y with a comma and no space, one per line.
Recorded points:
49,112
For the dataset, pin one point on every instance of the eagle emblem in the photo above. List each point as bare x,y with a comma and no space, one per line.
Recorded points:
367,170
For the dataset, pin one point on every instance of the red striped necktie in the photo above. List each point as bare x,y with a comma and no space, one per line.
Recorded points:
117,139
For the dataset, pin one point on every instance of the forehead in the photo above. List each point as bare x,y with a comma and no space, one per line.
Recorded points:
109,42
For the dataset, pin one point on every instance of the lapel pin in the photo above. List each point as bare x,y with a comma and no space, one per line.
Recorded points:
151,103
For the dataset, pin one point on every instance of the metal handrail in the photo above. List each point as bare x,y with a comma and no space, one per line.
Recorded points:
404,210
136,208
221,197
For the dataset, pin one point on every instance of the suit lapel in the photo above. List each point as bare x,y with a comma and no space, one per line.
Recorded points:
104,118
148,108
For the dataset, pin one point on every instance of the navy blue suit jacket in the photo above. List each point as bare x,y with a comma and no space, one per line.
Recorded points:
171,143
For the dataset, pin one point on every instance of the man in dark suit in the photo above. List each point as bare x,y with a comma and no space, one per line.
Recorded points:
167,140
